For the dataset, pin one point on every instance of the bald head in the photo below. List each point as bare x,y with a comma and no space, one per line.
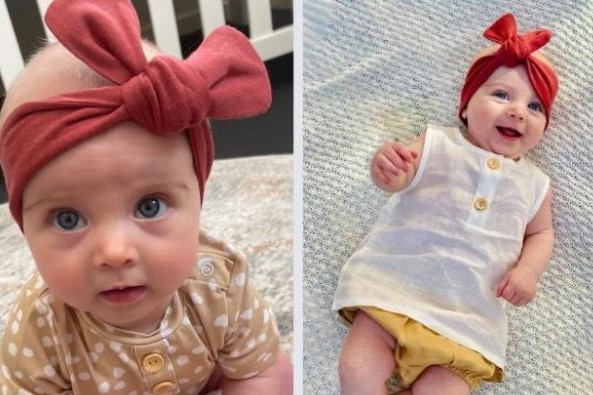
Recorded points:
52,71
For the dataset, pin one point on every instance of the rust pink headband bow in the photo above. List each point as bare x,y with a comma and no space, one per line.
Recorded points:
514,50
224,78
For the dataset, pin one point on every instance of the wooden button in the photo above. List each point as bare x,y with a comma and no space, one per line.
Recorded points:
493,163
480,204
153,362
163,388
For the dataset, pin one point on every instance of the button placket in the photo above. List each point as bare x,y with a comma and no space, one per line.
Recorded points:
485,192
157,368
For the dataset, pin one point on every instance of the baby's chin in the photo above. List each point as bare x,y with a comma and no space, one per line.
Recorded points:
509,154
505,151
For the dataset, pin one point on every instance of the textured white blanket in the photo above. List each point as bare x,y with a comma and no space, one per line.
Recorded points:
377,70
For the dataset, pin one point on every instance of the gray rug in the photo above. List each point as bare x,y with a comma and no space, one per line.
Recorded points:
248,203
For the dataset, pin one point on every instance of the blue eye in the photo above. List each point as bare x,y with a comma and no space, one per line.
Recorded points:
68,220
151,207
499,94
535,106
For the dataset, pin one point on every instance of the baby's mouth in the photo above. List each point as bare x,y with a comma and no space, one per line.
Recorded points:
508,132
123,295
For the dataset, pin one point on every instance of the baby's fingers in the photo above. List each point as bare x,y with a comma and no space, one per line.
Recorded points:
380,175
405,153
397,155
502,286
514,295
390,165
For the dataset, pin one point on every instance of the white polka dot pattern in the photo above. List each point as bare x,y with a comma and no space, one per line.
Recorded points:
87,356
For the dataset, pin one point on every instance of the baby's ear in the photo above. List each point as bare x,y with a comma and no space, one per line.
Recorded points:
464,114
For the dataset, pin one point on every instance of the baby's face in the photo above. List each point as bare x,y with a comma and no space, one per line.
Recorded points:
113,224
505,115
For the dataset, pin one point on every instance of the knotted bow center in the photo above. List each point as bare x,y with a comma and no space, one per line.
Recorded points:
168,97
516,51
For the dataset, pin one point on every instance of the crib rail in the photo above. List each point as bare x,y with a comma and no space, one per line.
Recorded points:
11,60
269,42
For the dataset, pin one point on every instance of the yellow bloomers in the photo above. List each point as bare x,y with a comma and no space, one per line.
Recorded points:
418,347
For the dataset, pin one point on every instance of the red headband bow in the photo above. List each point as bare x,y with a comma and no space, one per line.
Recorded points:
514,50
224,78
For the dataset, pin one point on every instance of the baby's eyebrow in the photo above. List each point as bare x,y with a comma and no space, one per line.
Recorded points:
44,200
496,84
146,188
168,184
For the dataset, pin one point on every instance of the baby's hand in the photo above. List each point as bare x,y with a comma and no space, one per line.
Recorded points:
391,161
518,286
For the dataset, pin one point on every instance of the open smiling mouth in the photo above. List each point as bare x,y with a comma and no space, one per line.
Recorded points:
508,132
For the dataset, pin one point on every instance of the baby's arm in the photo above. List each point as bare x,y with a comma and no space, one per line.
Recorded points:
519,284
394,165
30,352
275,380
249,355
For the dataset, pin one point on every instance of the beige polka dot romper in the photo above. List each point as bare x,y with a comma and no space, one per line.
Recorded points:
215,317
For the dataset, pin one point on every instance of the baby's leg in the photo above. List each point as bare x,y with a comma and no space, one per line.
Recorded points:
367,359
437,380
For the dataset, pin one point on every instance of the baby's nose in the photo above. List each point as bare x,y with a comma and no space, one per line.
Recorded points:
115,247
516,112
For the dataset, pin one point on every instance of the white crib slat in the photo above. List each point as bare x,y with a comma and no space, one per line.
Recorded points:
164,25
275,44
11,60
43,5
260,17
212,15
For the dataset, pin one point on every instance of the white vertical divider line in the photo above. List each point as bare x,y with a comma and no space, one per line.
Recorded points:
11,59
259,13
164,25
42,5
211,14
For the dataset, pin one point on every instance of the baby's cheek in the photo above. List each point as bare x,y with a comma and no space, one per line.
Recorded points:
178,248
182,255
69,285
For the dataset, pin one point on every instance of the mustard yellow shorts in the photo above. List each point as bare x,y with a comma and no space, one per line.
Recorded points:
418,347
